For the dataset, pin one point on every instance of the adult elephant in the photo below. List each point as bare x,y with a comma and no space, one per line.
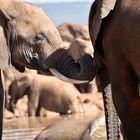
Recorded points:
29,39
114,27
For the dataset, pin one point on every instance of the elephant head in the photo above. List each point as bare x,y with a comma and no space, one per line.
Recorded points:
30,39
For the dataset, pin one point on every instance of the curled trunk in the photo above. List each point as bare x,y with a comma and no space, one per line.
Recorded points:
62,62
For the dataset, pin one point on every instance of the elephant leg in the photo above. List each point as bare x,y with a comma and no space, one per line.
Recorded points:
6,94
33,101
125,93
32,105
37,113
1,103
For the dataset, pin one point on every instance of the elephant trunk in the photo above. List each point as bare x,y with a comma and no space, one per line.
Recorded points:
83,69
112,120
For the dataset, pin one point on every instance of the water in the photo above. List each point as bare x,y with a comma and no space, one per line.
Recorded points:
29,128
26,128
21,134
73,12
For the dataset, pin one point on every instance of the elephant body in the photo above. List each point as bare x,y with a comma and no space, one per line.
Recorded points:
57,95
45,91
115,34
72,128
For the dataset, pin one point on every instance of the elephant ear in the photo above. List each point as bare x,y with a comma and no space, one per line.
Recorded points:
4,50
99,10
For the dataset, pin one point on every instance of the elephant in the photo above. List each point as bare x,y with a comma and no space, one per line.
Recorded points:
70,31
115,34
28,38
45,91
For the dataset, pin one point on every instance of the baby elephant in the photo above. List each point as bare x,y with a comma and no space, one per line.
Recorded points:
47,92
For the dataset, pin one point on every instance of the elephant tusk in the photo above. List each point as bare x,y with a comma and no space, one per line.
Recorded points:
66,79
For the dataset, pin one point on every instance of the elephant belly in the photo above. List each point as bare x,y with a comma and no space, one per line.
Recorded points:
53,103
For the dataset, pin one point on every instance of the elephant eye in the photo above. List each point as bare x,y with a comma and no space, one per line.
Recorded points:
39,38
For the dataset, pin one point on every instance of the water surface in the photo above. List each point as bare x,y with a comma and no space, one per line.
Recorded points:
29,128
26,128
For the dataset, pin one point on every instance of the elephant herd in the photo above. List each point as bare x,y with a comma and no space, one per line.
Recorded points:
48,91
29,39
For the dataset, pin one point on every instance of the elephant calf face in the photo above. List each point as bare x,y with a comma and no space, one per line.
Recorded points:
30,35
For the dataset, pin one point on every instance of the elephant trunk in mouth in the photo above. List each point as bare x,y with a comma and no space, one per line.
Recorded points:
83,69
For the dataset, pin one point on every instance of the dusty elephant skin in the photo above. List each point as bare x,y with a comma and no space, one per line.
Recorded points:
29,39
73,128
45,91
115,33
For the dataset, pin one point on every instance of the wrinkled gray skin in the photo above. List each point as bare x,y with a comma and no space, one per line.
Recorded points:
72,128
45,91
29,39
116,38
